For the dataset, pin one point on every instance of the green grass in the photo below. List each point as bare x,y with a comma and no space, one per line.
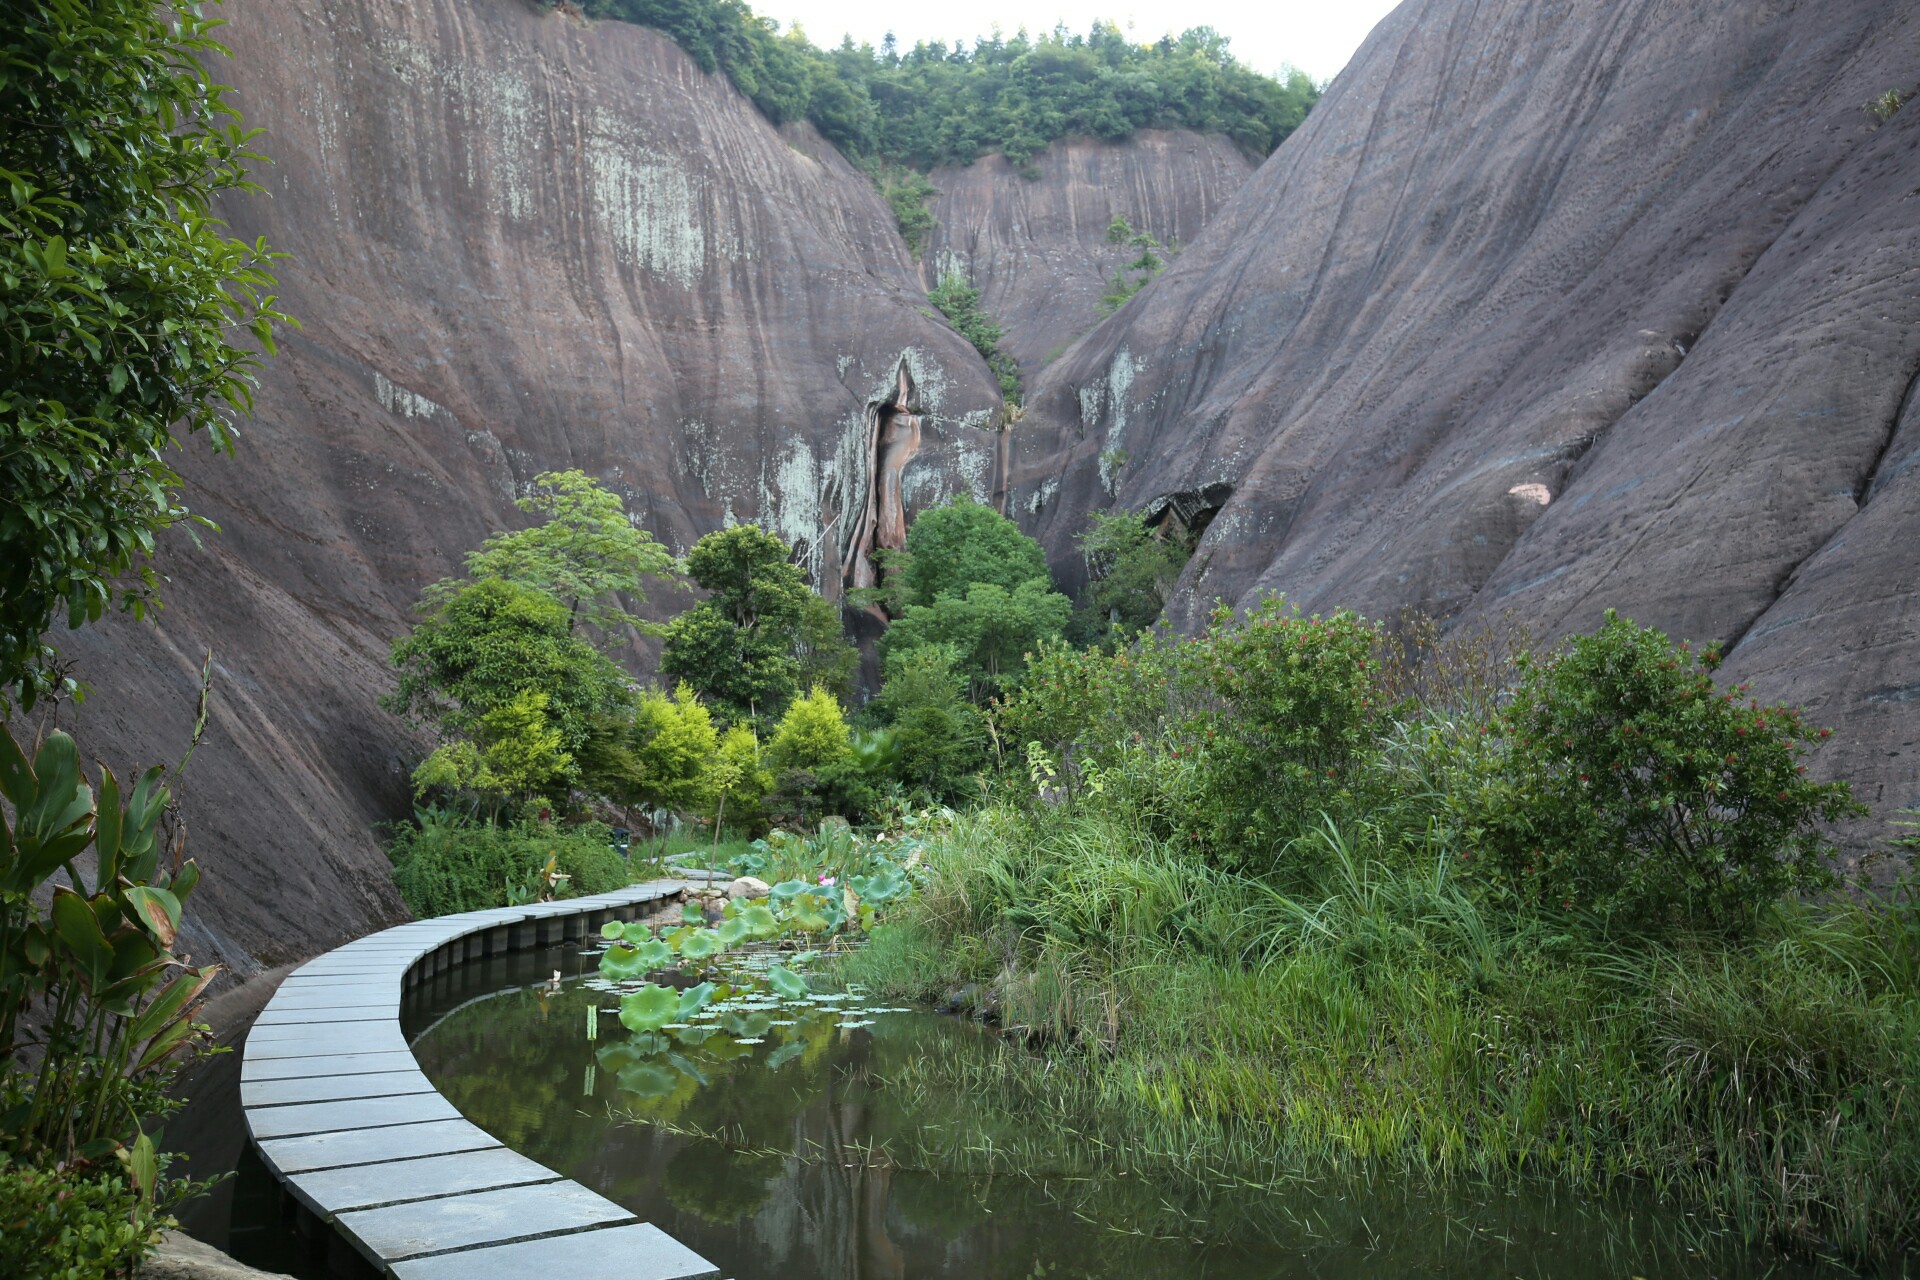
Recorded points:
656,852
1394,1021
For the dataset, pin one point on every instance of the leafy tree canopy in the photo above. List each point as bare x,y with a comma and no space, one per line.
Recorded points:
586,553
1131,570
761,631
812,733
990,629
952,547
119,297
490,642
936,105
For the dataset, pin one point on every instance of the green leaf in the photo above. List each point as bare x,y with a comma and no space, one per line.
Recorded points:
157,909
789,984
649,1008
704,944
760,921
692,1000
79,931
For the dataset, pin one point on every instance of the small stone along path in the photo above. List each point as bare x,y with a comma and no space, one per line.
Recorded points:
342,1114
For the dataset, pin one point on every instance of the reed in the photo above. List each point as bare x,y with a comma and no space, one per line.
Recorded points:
1390,1020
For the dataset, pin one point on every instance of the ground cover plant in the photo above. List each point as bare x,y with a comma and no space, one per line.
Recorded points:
1269,905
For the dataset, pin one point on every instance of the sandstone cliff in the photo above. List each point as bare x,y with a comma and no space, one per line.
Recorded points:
1545,310
518,242
1035,244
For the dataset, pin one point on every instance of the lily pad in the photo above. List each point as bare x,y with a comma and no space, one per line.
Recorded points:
788,983
649,1008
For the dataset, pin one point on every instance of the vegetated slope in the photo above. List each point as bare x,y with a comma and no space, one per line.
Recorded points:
1549,310
1037,248
518,243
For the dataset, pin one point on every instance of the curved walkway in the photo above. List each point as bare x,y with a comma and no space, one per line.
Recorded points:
342,1114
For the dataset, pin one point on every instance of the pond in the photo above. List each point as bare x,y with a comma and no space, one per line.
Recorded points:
774,1138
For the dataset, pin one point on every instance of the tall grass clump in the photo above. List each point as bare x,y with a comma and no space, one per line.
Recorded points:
443,864
1529,920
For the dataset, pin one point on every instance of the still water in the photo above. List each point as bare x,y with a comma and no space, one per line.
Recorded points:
771,1141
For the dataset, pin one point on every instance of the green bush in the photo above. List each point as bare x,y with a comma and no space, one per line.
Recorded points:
445,866
939,738
1279,715
72,1224
1634,788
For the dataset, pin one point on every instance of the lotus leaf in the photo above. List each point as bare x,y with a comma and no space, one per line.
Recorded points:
788,983
636,934
702,945
788,889
691,913
746,1026
734,932
760,921
883,885
617,1056
654,954
649,1008
622,964
649,1080
611,930
786,1053
691,999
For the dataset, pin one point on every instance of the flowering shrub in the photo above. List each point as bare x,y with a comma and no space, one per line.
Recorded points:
1632,787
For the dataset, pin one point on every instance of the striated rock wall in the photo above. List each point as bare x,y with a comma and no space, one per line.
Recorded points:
1548,309
518,242
1036,246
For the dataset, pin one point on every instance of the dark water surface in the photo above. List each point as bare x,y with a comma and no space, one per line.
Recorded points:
777,1159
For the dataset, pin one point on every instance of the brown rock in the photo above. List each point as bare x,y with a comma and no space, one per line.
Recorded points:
1036,247
519,242
1652,265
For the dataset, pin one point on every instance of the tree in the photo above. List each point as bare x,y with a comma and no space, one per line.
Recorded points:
744,648
490,643
514,755
586,554
990,630
959,302
952,547
811,734
938,737
1131,569
119,295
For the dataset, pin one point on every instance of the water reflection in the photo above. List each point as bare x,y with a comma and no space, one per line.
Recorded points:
771,1140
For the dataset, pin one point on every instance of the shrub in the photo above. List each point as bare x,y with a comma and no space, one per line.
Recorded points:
1634,788
939,738
673,739
1278,713
72,1224
454,865
812,733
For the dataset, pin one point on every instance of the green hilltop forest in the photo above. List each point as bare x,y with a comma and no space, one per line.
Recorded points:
934,105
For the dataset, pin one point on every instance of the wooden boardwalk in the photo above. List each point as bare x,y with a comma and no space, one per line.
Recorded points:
343,1116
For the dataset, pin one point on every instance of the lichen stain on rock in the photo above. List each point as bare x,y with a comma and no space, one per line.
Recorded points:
1119,381
793,500
647,206
399,401
973,465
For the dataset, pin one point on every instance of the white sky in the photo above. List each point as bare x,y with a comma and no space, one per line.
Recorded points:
1318,36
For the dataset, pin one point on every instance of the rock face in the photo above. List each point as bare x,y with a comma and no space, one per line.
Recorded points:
518,242
1545,310
1036,246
